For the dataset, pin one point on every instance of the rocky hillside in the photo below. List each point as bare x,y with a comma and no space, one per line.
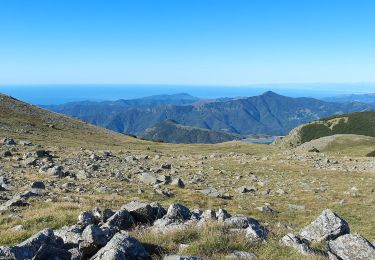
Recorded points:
170,131
268,113
361,123
103,235
69,190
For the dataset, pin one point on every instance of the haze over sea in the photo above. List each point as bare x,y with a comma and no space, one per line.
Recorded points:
58,94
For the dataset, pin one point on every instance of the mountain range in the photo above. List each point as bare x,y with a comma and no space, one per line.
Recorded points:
269,113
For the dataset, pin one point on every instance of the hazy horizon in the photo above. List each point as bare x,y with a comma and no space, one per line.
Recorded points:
61,93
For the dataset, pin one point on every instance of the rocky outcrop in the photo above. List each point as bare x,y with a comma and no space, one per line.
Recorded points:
334,231
99,237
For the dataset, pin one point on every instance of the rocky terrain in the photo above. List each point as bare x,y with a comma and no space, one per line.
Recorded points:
70,190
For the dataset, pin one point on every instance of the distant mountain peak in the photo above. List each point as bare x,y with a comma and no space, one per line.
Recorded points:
270,93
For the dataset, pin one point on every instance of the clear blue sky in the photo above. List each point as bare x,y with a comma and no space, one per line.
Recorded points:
226,42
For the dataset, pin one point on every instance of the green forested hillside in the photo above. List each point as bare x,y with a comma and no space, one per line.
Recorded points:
361,123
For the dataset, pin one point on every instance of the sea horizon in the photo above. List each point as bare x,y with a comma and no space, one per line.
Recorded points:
54,94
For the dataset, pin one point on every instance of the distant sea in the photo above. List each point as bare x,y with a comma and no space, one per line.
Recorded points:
58,94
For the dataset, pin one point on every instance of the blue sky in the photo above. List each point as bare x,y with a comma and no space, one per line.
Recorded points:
209,42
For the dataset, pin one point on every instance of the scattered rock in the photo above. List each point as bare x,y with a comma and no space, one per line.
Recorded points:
352,246
326,227
179,257
38,185
122,246
241,255
148,178
178,182
8,141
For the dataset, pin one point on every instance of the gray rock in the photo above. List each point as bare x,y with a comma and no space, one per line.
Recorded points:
16,201
70,234
6,154
107,213
25,143
38,185
94,235
246,189
30,162
141,212
121,220
52,252
180,257
122,247
255,231
166,166
211,192
86,218
292,207
178,182
178,211
93,238
148,178
17,228
222,215
57,171
196,214
8,141
209,215
158,210
239,222
327,226
242,255
30,247
37,154
352,246
266,209
296,242
164,178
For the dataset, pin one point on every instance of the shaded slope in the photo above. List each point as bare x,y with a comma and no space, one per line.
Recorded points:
170,131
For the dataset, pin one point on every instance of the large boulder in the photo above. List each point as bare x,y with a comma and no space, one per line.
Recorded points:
121,220
158,210
141,212
327,226
178,211
30,247
255,231
122,247
86,218
93,238
71,235
239,222
352,246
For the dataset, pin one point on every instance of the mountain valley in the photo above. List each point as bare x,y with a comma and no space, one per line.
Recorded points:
75,190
